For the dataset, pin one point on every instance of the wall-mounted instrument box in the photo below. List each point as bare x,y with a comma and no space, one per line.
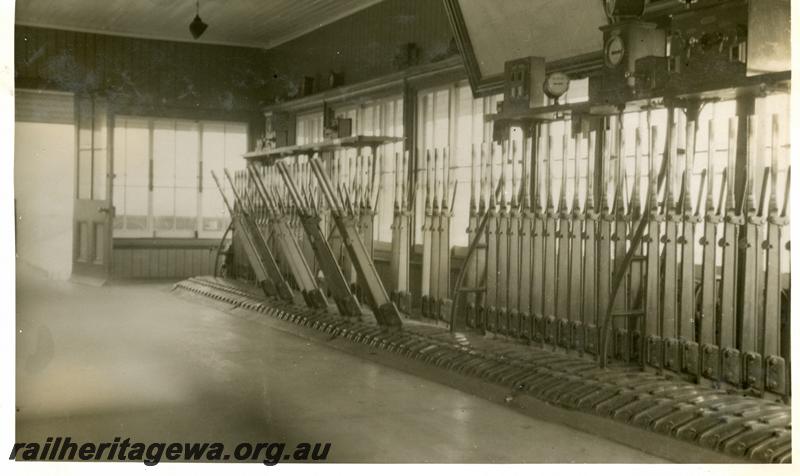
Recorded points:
335,79
651,74
338,128
308,86
524,78
344,127
627,41
279,129
690,46
335,127
708,43
624,43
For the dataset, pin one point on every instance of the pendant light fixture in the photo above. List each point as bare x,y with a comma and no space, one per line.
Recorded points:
198,26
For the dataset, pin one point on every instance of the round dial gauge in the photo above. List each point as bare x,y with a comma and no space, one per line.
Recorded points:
556,84
614,51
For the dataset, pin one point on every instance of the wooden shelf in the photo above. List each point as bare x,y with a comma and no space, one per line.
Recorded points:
317,147
719,90
544,113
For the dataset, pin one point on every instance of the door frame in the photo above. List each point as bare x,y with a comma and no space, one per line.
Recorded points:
92,211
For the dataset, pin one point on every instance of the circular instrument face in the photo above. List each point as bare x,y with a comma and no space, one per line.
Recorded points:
614,50
556,84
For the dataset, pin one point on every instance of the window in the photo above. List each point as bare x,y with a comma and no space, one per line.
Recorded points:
309,128
717,118
383,117
92,151
158,191
775,107
450,119
132,176
222,146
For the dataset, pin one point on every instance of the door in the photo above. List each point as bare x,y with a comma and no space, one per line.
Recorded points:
93,212
44,184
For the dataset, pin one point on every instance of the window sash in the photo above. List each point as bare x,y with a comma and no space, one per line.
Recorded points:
158,190
449,117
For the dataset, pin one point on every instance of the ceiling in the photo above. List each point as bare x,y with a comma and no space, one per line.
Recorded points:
255,23
509,29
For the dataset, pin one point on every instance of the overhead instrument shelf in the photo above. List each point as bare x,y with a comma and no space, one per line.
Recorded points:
676,94
324,146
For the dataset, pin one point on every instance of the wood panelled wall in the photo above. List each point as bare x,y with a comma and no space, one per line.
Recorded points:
143,74
191,80
361,46
161,259
151,75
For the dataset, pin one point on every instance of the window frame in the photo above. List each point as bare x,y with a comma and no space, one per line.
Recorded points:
430,136
200,187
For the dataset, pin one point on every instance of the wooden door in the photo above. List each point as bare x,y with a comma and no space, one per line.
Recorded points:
93,212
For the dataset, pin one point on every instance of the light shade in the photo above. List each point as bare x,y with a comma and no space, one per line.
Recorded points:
197,27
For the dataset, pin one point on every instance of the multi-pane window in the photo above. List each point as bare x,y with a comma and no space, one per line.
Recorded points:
309,129
158,189
92,149
713,158
451,122
383,117
132,177
222,145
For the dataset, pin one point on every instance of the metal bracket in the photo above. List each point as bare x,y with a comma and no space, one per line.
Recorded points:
654,351
491,319
691,356
481,316
672,354
445,309
709,354
538,328
621,348
731,366
502,321
577,335
513,323
550,330
753,370
425,306
592,335
471,317
564,337
776,374
436,309
525,326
